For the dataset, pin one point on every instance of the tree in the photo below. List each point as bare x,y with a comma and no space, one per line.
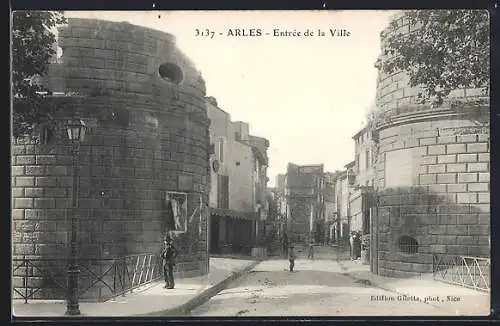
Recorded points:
32,48
441,50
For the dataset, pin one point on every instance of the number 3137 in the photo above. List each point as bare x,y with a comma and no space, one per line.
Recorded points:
205,32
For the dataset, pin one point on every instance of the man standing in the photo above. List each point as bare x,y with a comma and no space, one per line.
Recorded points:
168,256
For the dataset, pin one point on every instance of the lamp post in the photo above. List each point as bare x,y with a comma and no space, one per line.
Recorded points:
76,133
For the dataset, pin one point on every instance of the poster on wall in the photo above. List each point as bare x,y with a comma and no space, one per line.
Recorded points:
176,211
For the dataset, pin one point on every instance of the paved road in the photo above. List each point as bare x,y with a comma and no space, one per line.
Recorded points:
317,288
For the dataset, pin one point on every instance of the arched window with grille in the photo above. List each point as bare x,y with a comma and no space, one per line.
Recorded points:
407,245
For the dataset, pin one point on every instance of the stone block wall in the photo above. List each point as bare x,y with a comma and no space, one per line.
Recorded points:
438,225
432,174
450,161
147,135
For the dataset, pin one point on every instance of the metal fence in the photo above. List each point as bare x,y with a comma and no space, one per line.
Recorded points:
100,279
470,272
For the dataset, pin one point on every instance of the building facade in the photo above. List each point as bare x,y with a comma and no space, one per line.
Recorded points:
272,232
238,197
361,198
330,215
343,192
143,167
304,202
279,192
432,175
363,149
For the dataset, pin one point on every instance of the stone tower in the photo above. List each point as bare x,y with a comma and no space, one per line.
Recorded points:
144,103
432,176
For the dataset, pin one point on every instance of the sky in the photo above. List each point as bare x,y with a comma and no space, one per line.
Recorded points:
308,95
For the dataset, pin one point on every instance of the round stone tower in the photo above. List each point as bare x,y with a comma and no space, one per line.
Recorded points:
432,175
143,101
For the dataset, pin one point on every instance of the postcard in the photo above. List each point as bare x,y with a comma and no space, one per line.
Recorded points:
250,163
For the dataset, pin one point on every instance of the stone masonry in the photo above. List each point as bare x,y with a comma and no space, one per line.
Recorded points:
144,103
432,177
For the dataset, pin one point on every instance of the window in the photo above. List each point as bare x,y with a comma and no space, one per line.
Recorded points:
237,135
357,162
407,245
367,160
221,150
171,72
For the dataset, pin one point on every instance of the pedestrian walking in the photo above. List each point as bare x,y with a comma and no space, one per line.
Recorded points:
291,256
168,255
310,251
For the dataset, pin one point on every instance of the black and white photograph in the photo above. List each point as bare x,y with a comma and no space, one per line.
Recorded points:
250,163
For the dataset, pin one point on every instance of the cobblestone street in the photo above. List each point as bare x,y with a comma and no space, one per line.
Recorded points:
316,288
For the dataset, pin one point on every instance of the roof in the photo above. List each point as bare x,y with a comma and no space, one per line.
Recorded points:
350,164
212,100
361,131
343,174
214,104
259,146
332,176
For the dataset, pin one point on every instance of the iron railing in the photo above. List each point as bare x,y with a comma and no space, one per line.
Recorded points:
470,272
100,279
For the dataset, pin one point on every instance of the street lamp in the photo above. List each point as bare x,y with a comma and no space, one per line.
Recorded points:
76,134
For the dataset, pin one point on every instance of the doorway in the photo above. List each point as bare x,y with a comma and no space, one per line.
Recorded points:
214,234
319,234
